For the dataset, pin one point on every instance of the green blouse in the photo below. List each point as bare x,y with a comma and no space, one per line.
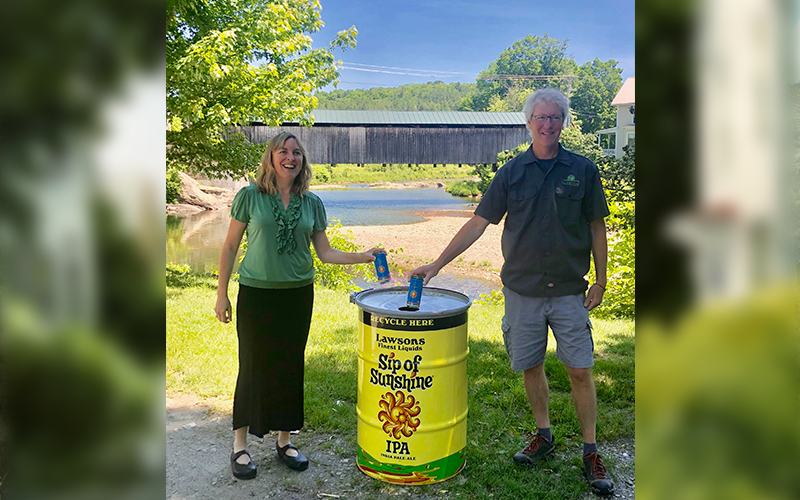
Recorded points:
278,256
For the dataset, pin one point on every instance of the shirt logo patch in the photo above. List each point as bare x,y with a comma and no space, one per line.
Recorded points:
571,181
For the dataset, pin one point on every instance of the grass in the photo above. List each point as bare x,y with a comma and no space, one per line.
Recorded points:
201,359
389,173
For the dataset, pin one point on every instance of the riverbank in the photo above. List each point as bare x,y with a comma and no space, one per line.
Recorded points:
422,242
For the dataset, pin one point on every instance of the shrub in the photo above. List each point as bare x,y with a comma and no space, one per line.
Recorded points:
336,276
322,174
619,297
463,188
173,185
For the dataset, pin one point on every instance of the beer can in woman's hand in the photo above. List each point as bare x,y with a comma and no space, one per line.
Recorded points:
382,267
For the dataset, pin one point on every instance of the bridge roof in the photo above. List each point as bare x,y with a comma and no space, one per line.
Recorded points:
430,118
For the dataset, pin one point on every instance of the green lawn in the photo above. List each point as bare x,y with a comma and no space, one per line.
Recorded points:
201,359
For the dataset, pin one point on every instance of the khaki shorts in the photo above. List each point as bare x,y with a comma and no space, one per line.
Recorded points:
525,330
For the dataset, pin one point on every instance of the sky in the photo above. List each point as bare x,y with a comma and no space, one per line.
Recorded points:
415,41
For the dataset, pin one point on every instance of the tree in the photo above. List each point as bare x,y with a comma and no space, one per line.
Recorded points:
531,56
592,91
597,84
232,63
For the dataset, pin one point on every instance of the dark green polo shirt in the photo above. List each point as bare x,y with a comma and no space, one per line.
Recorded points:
546,238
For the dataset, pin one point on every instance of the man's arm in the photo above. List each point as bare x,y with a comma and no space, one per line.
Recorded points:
594,297
466,236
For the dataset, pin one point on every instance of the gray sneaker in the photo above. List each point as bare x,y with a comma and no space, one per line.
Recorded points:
596,474
538,450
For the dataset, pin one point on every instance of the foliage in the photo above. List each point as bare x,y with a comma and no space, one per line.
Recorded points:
322,174
593,90
619,176
485,174
493,297
533,55
575,140
620,295
597,84
173,184
431,96
463,188
182,276
231,63
336,276
376,172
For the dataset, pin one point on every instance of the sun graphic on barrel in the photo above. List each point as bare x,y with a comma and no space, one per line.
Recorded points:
398,411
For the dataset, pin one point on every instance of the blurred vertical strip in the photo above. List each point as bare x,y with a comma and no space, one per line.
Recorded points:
81,248
717,341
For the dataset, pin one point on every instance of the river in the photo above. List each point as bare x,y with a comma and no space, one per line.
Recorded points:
196,239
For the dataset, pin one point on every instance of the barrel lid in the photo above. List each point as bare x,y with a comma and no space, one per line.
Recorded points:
435,302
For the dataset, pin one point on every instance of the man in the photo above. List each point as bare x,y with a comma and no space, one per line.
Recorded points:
555,207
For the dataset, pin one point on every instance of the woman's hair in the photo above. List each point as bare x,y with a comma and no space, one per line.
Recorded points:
546,95
265,177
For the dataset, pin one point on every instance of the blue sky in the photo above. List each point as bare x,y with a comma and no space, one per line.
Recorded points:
452,41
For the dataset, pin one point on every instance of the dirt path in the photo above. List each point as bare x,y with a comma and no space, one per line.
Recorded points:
198,446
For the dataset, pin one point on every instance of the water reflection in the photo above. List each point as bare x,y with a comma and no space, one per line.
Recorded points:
197,239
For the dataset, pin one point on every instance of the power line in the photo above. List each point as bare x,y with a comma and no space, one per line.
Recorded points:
429,75
407,69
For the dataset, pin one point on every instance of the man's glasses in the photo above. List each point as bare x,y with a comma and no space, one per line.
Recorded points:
542,119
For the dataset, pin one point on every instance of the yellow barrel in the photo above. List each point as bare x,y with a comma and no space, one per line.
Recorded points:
412,385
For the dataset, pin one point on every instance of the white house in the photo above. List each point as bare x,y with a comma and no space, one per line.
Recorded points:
612,140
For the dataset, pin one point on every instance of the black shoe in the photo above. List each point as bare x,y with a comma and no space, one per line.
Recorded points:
300,462
597,475
539,449
243,471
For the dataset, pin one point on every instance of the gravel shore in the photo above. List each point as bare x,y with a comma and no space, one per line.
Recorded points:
422,242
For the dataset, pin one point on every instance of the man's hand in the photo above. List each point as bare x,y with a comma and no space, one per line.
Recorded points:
428,271
594,297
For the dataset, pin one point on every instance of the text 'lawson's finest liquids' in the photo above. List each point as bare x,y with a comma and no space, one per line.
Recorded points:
414,292
382,268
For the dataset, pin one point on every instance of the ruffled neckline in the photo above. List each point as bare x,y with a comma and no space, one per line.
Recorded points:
286,220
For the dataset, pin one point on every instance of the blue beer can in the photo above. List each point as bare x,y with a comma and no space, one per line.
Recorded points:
414,292
382,268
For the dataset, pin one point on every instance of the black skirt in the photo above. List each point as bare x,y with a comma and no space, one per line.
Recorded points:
272,325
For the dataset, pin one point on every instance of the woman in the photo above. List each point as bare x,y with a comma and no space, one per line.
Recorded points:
276,295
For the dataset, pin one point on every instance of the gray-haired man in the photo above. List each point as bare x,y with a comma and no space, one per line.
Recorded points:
554,206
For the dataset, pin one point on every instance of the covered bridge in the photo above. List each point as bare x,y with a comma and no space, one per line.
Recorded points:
454,137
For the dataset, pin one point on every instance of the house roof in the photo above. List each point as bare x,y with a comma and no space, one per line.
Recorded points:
626,94
368,117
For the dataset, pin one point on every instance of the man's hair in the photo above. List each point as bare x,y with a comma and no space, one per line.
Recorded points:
265,177
543,96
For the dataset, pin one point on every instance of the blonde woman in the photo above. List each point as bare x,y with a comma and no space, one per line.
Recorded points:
276,295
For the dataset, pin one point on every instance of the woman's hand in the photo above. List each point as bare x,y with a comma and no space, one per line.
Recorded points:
223,309
372,252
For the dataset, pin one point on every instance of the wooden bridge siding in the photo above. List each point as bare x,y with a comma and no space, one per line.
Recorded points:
398,144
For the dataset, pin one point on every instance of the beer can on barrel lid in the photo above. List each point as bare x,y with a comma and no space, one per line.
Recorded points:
414,292
382,267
